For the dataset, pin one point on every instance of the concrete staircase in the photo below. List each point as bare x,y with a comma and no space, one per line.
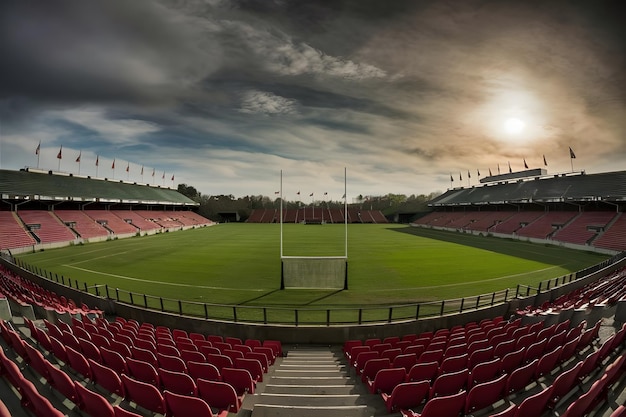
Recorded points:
315,381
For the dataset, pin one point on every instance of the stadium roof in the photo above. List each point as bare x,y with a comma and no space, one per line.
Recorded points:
50,186
579,187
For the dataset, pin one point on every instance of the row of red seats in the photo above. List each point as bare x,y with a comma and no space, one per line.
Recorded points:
407,396
175,385
606,291
453,375
24,291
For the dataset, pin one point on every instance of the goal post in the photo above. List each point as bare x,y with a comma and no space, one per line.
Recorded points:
314,272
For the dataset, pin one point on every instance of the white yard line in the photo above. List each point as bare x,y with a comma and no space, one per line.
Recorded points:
456,284
164,283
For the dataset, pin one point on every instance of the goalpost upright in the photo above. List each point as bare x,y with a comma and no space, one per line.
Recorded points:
328,272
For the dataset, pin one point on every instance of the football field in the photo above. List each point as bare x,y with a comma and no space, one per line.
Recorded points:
240,264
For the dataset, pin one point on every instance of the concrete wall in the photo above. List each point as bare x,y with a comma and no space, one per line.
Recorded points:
335,334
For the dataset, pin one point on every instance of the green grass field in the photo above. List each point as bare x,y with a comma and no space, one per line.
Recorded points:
240,264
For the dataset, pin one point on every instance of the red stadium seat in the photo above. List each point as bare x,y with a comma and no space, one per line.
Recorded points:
143,394
143,371
239,379
450,405
386,380
177,382
62,382
534,405
93,403
406,395
484,394
251,365
107,378
183,406
203,370
426,371
219,395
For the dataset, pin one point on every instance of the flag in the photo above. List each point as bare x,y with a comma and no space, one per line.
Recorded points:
127,167
478,171
59,155
298,193
325,193
343,196
460,177
113,164
451,179
38,148
172,177
510,170
572,155
468,174
153,172
79,154
276,192
142,170
545,163
490,174
525,164
163,177
498,169
311,195
97,160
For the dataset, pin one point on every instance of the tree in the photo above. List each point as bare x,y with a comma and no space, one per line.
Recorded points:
189,191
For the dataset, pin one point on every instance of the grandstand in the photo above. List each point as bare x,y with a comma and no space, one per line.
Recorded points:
317,215
575,209
46,209
66,351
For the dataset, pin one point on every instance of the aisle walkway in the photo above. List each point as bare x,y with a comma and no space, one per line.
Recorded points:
315,381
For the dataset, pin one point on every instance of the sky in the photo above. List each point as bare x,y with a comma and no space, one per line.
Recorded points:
223,95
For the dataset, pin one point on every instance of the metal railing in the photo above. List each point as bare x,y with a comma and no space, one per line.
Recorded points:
302,316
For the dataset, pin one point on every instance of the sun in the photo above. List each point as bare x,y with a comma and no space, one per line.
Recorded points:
514,125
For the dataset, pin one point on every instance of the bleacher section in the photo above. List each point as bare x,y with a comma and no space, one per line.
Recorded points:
13,233
81,223
48,227
136,219
316,215
584,227
515,222
615,236
547,224
111,221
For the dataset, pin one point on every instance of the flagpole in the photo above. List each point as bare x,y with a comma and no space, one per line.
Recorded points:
345,208
281,214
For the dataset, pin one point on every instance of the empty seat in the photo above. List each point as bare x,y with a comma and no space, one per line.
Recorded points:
90,350
239,379
372,367
483,372
183,406
449,405
484,394
143,394
534,405
114,360
548,362
520,377
92,403
106,377
37,403
177,382
79,363
406,395
251,365
203,370
172,363
219,395
62,382
449,384
423,372
143,371
386,380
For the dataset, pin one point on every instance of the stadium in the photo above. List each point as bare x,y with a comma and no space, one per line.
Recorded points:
551,342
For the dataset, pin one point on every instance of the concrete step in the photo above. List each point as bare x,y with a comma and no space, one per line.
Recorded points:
272,410
312,400
312,380
311,389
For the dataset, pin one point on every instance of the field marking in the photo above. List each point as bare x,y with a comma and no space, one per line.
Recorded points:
456,284
162,282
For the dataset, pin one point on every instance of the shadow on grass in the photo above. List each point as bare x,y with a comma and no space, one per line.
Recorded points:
294,298
547,254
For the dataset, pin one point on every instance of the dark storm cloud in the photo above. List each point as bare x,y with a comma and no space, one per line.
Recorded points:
237,88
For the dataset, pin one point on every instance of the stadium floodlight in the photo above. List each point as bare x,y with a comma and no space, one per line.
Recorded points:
320,272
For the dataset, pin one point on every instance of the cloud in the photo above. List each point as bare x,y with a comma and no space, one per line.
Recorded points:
266,103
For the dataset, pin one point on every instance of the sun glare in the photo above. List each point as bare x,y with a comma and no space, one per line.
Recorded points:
514,125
